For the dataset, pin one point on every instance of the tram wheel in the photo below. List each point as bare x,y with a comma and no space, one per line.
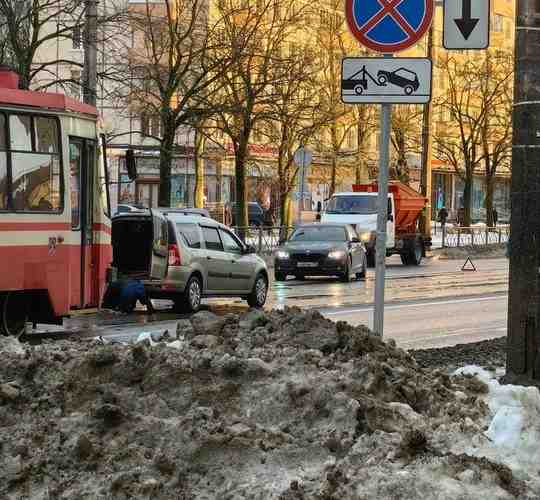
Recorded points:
13,313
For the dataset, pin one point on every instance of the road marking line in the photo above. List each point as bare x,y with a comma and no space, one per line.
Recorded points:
403,306
454,334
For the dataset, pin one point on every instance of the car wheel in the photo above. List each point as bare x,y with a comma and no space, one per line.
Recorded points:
13,314
192,297
409,89
280,276
257,297
358,90
382,80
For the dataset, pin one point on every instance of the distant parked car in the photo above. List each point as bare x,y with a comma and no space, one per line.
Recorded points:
187,257
255,214
321,250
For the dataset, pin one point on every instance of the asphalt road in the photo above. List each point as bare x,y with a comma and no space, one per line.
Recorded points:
433,305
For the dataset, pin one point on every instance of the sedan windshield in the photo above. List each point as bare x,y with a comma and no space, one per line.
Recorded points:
352,205
321,233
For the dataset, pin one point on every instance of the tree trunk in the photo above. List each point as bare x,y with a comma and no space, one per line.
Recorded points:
165,161
333,175
490,188
200,142
467,198
241,215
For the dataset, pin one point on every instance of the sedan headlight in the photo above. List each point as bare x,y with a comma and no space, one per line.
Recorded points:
282,255
336,254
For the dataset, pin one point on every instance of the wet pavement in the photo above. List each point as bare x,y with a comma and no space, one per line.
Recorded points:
431,305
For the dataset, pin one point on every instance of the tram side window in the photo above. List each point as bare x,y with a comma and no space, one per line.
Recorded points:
36,176
75,157
20,128
3,164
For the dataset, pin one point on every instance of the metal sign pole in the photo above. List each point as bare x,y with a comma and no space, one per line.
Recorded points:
382,218
302,183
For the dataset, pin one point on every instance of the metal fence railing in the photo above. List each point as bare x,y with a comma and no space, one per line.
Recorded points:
265,240
454,237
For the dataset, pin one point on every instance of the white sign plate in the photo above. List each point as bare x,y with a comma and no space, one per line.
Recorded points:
385,80
466,24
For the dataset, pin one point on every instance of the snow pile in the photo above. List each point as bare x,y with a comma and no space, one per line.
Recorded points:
513,435
281,405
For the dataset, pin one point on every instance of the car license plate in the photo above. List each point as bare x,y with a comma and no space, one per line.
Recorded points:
308,264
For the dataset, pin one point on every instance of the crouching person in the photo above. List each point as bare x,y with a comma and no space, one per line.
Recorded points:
122,295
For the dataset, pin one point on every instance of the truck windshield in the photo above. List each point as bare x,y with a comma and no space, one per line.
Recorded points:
354,204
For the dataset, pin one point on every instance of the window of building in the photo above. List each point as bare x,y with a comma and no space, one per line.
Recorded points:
211,239
498,23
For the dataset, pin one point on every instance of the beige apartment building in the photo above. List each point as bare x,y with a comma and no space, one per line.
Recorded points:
129,128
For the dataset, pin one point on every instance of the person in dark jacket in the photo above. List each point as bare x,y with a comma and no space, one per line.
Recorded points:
495,217
122,295
443,216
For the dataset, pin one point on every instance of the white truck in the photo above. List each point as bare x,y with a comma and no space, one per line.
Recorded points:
359,208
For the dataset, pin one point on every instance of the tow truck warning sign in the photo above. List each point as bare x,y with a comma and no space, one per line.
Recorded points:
403,80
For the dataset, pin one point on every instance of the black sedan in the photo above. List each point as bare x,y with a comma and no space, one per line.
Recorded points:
321,250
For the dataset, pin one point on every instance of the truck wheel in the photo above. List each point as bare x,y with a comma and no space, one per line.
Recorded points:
358,90
417,253
414,255
370,258
13,313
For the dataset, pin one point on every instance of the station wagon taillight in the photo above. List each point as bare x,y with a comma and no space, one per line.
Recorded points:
174,256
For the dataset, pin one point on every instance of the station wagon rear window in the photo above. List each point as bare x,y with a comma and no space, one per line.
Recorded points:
190,234
31,174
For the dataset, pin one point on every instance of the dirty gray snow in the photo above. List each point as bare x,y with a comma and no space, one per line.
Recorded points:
280,405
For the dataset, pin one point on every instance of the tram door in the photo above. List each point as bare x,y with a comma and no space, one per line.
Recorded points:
85,281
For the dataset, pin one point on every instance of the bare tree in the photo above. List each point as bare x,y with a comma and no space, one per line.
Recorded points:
172,69
496,131
253,40
334,42
293,120
28,29
365,115
469,108
405,138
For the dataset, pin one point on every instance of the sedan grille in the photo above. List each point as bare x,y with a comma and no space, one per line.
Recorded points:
308,257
